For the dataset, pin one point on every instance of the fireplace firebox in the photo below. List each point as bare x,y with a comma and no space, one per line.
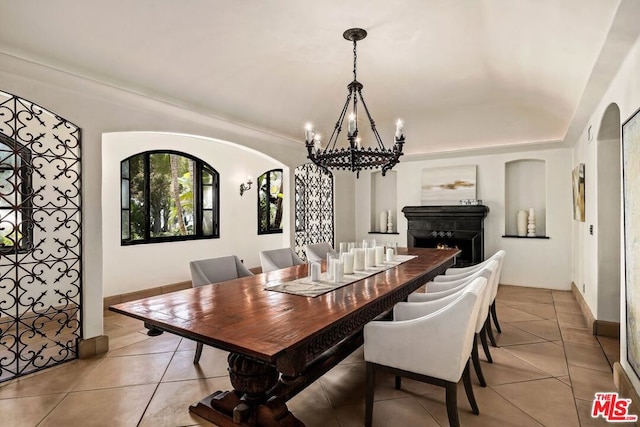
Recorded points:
454,226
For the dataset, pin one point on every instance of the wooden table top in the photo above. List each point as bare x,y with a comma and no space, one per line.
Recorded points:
240,316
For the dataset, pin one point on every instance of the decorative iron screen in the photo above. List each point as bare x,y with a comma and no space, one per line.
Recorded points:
314,207
40,241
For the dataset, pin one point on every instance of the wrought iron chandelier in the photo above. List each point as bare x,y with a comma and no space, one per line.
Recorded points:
354,157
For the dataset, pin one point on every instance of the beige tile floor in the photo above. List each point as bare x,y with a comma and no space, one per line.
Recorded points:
545,373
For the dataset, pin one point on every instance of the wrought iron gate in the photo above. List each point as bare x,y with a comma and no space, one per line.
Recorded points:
314,206
40,238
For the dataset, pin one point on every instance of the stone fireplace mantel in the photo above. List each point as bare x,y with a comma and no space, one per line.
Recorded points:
460,226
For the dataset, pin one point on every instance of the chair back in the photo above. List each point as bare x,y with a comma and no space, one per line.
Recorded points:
214,270
318,251
278,258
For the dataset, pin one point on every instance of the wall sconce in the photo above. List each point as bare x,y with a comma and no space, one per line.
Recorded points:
244,187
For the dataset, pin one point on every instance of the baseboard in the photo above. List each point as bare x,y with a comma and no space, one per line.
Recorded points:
584,308
145,293
601,328
625,388
93,346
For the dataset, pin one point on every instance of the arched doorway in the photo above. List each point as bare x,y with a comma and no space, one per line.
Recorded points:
609,193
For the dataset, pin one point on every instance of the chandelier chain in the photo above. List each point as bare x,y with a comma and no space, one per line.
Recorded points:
355,57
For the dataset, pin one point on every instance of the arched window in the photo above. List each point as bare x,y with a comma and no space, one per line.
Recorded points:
168,196
270,195
15,188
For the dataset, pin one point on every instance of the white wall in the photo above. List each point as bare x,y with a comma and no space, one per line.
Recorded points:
97,109
137,267
624,91
529,262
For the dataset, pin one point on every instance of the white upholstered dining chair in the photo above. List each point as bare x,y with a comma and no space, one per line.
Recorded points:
456,273
436,290
405,347
318,251
278,258
215,270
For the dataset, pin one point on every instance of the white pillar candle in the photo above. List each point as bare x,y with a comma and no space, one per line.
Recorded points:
338,271
330,270
347,261
358,259
399,129
370,257
390,254
315,271
379,255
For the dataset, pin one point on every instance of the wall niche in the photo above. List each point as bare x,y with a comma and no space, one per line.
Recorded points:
383,199
525,189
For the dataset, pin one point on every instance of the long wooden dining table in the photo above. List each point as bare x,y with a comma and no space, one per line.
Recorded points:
279,343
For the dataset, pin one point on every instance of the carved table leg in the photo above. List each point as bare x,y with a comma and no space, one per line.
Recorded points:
248,404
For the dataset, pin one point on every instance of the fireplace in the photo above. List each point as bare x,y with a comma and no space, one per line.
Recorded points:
454,226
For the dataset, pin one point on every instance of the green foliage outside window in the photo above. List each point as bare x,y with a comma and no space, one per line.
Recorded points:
270,197
167,196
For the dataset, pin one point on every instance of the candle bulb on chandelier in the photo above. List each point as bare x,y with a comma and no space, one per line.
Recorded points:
352,124
316,142
358,143
399,129
308,132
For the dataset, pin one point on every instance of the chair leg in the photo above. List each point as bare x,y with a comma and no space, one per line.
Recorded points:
485,345
494,314
487,325
452,403
398,382
466,379
476,361
370,384
196,359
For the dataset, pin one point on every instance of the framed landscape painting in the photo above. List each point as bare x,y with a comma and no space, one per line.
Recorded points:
448,185
631,197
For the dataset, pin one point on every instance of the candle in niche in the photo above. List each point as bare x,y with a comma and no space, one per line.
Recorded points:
347,261
358,259
383,222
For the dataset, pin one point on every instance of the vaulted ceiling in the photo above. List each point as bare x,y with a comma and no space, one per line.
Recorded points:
462,74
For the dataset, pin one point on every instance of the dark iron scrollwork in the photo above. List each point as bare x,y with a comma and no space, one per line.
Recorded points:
313,206
40,238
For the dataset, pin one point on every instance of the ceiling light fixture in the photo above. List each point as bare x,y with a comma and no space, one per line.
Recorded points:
354,157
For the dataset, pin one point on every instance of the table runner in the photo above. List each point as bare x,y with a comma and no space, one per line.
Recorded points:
306,288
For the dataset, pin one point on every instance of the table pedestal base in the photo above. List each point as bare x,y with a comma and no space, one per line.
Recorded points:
223,407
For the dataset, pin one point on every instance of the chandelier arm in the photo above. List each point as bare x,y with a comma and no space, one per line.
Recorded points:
372,123
338,127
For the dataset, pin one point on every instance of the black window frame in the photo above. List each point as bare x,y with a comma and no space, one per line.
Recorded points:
199,169
268,230
24,205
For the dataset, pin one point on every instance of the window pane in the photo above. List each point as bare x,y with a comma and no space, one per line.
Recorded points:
124,169
207,223
171,195
125,193
206,177
137,214
125,225
207,197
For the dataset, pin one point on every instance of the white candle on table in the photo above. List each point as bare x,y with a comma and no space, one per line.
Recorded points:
347,261
370,257
390,254
315,271
358,259
338,271
379,255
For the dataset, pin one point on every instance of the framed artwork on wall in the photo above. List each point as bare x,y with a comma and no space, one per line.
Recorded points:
448,185
577,178
631,197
